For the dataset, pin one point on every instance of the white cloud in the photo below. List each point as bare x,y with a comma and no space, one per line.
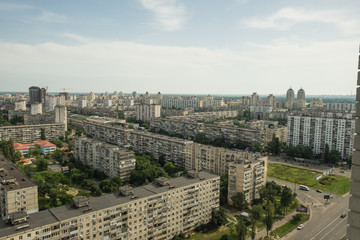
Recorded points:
51,17
319,67
286,18
169,14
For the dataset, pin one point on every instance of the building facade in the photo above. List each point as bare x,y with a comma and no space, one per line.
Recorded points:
316,132
157,211
18,194
146,112
32,133
247,177
353,229
109,159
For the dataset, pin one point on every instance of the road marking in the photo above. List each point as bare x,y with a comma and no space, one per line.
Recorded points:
325,228
334,227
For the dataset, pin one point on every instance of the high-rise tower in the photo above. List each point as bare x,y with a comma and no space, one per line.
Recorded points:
353,231
300,99
290,95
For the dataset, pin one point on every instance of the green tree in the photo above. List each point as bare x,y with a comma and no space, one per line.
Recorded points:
58,155
117,180
218,217
42,134
35,152
121,114
241,229
170,168
258,147
58,143
223,189
334,157
239,201
41,164
326,153
224,237
287,198
269,217
255,216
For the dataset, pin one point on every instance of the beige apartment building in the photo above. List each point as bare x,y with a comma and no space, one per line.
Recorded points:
146,112
110,159
18,194
184,153
157,211
32,133
248,177
211,131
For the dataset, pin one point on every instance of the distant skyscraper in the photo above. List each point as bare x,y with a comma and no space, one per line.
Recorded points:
290,95
61,115
43,95
134,94
353,231
300,99
35,94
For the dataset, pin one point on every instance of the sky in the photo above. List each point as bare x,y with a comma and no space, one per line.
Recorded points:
180,46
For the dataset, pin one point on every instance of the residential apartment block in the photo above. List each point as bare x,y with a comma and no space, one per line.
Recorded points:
157,211
18,194
181,102
32,133
110,159
341,107
353,229
247,177
185,153
211,131
146,112
316,132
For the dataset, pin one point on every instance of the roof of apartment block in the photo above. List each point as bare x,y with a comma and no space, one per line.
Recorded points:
65,212
12,178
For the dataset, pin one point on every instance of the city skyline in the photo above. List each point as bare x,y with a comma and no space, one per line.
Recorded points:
235,47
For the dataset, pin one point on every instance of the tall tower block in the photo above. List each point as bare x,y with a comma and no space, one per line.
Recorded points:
353,230
61,115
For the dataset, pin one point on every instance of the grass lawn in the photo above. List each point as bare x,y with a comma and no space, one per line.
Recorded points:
331,183
289,226
212,235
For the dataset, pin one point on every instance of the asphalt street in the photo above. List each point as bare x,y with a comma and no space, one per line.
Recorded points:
325,221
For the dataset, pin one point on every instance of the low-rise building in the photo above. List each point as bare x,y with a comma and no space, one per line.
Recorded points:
18,194
157,211
110,159
45,147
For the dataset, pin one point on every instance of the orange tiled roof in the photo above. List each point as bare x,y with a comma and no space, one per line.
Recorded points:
41,143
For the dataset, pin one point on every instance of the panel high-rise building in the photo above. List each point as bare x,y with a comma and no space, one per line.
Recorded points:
353,231
35,94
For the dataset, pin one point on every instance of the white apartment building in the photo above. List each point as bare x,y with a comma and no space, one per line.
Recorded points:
61,114
341,107
110,159
157,211
145,112
316,132
181,103
20,105
36,108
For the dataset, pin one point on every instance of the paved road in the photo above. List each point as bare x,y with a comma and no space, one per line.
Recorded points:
325,221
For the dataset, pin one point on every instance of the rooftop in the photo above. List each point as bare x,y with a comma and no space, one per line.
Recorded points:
65,212
12,178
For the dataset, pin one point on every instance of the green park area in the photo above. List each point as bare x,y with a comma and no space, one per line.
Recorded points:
332,183
291,225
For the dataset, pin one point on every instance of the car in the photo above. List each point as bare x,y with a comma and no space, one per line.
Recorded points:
301,226
319,191
343,215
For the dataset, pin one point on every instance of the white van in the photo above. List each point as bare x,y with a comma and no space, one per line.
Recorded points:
305,188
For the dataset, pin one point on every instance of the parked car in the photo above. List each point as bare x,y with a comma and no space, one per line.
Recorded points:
319,191
301,226
343,215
